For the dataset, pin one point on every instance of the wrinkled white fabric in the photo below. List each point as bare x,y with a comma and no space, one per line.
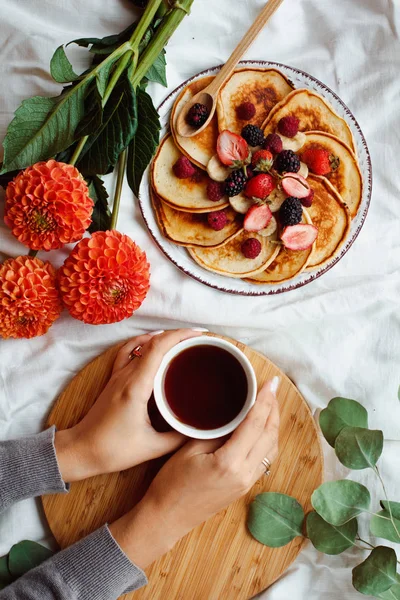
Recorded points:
337,336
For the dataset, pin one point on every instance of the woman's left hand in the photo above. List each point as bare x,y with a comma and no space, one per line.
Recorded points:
117,433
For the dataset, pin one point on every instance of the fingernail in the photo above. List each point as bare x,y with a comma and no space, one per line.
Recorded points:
200,329
274,384
152,333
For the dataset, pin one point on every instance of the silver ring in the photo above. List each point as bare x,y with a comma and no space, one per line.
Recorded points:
267,465
135,353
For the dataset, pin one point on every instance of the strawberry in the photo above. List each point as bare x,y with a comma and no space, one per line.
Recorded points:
260,186
257,218
232,149
299,237
262,160
319,160
295,185
307,202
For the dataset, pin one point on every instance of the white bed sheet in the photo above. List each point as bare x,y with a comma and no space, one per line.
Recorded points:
338,336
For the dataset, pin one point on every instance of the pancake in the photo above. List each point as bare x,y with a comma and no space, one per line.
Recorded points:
347,178
199,148
314,112
188,229
287,264
263,87
229,260
183,194
329,213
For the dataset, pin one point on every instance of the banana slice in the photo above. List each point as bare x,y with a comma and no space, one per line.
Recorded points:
276,199
240,203
294,143
269,229
217,170
303,170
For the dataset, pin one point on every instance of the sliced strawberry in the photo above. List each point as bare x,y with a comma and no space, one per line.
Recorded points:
299,237
257,218
295,185
232,149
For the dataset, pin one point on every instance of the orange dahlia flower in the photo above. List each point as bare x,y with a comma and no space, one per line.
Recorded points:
105,278
29,300
48,205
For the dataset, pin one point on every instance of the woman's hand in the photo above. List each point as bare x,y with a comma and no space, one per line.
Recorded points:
117,433
201,479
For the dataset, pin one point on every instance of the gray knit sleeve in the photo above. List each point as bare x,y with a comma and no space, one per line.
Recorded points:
28,468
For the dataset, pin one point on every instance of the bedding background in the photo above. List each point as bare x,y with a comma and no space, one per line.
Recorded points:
340,335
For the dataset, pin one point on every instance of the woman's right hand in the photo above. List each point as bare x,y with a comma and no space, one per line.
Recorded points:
201,479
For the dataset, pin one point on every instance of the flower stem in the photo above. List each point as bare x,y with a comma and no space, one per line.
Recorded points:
32,253
78,150
144,23
161,37
388,501
118,188
365,542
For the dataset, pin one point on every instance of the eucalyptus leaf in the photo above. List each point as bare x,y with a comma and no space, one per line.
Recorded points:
394,507
42,127
330,539
377,573
393,593
340,413
5,575
60,68
337,502
157,71
101,216
119,126
384,528
26,555
145,142
275,519
359,448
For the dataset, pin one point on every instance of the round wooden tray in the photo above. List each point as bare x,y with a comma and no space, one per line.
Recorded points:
218,560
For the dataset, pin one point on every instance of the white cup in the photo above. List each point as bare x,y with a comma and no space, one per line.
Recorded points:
167,413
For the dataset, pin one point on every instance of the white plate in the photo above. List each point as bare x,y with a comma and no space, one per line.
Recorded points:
179,255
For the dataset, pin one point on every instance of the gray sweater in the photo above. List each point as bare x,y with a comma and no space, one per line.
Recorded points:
28,467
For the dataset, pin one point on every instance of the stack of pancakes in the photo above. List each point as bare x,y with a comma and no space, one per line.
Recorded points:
182,205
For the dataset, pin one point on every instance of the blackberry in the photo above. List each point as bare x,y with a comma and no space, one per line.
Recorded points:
287,162
291,212
253,135
197,115
235,183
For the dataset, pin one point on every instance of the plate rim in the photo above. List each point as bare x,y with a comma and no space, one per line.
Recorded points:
263,290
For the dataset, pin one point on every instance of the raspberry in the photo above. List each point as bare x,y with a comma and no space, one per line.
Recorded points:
287,162
217,220
235,183
289,126
273,143
291,212
307,202
251,248
197,115
183,168
246,111
215,191
253,135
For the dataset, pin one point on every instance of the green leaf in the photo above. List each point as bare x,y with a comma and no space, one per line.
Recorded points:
330,539
377,573
340,413
119,126
145,142
157,71
60,68
93,119
25,556
7,177
108,44
393,593
394,507
337,502
104,74
358,448
5,575
275,519
42,127
383,528
101,216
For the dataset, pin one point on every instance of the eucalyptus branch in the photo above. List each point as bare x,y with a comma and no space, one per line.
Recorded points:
118,188
388,501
